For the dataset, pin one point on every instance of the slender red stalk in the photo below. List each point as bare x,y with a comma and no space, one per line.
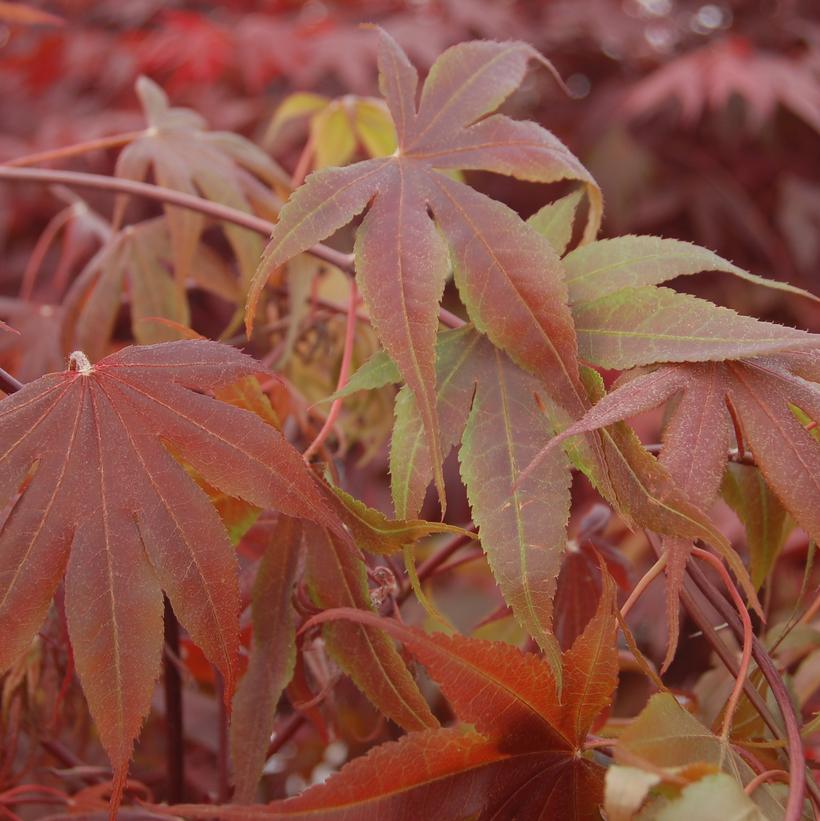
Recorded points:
762,778
748,633
344,374
41,247
102,143
641,586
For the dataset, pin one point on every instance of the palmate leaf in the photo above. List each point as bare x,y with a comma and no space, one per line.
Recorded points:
665,734
763,392
109,508
508,276
524,758
489,405
220,166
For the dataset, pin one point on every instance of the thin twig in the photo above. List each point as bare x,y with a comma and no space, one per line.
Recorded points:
8,383
172,683
746,656
344,373
77,179
797,771
112,141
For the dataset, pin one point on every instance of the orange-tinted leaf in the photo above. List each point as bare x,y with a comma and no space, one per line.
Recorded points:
110,507
273,655
523,760
591,665
336,576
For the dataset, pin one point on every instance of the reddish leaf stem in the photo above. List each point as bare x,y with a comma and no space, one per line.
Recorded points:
281,737
223,785
797,771
40,249
344,374
746,655
303,164
172,683
762,778
8,383
112,141
645,581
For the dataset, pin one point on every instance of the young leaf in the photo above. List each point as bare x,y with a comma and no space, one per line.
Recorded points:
523,760
335,574
666,735
221,166
555,222
273,655
501,265
109,507
766,521
137,261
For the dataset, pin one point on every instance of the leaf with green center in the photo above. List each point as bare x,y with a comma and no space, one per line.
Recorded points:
489,405
272,660
644,325
666,735
112,510
509,275
766,521
556,220
607,265
378,534
524,758
336,577
220,166
138,262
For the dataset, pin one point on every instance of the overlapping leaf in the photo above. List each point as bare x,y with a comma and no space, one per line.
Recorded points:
109,508
666,735
185,156
508,276
336,577
338,128
272,660
489,405
762,393
524,758
137,262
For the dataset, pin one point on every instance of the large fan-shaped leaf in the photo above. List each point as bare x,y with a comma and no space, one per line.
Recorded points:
107,505
523,760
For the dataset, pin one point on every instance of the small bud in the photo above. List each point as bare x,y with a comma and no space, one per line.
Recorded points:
79,362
